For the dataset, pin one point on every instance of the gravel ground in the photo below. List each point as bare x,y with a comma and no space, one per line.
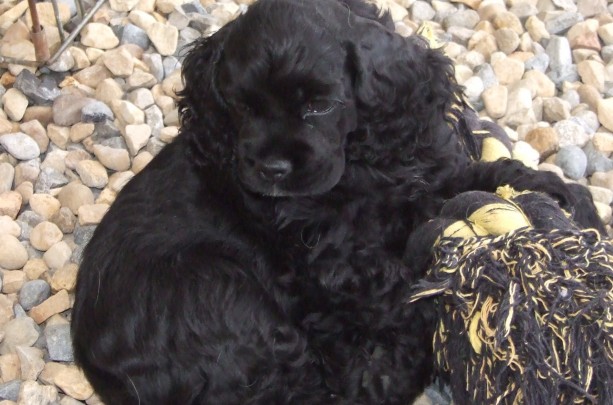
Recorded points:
73,133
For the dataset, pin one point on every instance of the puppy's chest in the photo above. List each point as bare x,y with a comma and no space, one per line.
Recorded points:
358,240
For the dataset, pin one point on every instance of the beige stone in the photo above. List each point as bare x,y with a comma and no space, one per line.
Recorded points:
123,5
118,180
7,302
603,142
168,134
10,203
92,214
13,255
35,130
127,113
44,235
494,100
32,393
605,32
136,137
44,205
80,131
14,104
8,227
605,113
99,36
12,281
74,195
109,90
507,70
59,135
35,268
92,173
92,76
9,367
601,194
540,84
112,158
65,278
140,161
74,156
592,72
164,37
141,19
58,255
68,378
173,84
55,304
25,190
119,61
81,61
31,362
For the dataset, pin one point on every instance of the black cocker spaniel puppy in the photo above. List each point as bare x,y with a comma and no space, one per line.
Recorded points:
260,258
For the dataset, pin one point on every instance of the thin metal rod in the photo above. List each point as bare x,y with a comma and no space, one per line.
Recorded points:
34,15
58,19
76,31
80,8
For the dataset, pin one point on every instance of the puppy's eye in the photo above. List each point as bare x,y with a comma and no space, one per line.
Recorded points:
317,107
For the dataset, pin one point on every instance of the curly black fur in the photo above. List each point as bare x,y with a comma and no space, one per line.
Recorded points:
259,258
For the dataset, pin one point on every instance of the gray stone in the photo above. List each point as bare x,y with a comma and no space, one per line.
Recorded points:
170,64
67,109
155,119
58,342
557,22
559,52
487,75
573,161
572,97
588,120
26,221
421,11
467,18
33,293
105,130
189,35
20,146
10,390
200,22
39,92
154,146
193,7
19,332
178,19
131,34
82,234
561,74
96,111
538,62
116,142
155,65
48,179
77,254
571,133
596,160
607,53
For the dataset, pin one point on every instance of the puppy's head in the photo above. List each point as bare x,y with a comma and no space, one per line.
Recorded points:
294,81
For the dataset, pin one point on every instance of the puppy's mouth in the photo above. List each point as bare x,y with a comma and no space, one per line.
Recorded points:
298,183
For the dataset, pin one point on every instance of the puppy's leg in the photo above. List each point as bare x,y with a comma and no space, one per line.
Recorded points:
196,329
574,198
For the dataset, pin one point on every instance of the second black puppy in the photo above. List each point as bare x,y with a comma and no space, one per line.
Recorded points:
258,258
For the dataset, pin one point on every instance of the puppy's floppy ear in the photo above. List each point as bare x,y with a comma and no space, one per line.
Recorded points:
203,111
399,83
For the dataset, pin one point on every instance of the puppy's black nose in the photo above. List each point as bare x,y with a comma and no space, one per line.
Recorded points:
275,170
